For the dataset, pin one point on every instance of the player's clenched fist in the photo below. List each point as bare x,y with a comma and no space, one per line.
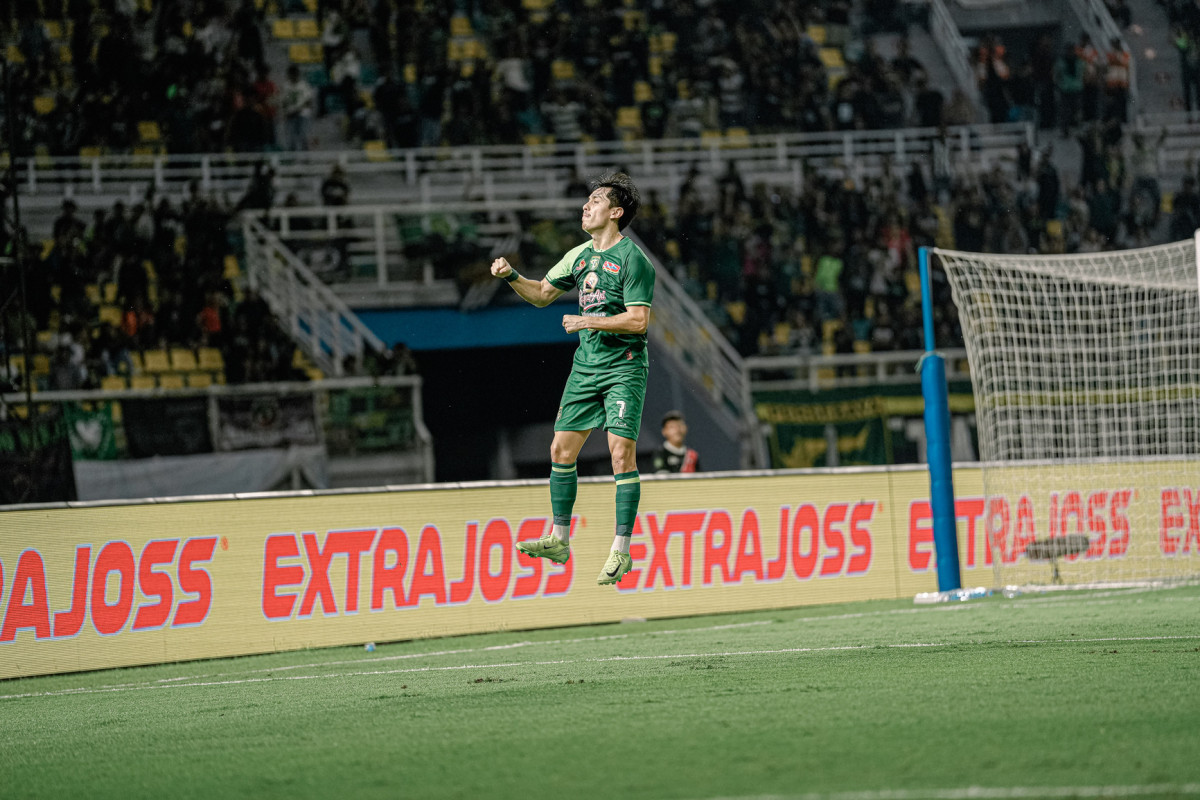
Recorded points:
501,267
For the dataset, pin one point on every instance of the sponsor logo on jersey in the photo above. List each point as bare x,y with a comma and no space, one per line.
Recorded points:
582,263
590,281
611,267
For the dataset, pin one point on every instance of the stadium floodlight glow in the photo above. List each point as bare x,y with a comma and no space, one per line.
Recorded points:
1086,376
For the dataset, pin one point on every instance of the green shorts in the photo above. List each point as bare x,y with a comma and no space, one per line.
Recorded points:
609,400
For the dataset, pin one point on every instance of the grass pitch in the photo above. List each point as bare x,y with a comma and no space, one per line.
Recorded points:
1058,695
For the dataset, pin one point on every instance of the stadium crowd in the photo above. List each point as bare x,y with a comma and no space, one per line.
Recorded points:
831,269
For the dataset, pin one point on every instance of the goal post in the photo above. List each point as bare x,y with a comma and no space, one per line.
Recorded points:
1086,376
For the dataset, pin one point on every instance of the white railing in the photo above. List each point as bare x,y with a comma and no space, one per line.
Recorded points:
420,460
429,175
319,321
954,49
1102,28
817,372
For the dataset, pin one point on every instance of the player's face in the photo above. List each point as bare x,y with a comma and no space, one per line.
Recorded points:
675,431
598,211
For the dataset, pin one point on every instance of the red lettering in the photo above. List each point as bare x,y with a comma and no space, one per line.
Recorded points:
353,544
1072,507
30,578
687,523
193,581
920,536
70,622
999,516
493,586
970,509
155,584
431,579
460,591
280,545
527,585
1193,531
318,579
749,557
860,537
1026,530
1120,523
114,557
659,563
832,564
385,578
777,567
1053,515
803,563
1166,542
1097,528
717,555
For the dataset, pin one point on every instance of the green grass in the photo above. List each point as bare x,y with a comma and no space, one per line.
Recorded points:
1074,690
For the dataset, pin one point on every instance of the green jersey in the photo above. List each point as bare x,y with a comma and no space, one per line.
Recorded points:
609,282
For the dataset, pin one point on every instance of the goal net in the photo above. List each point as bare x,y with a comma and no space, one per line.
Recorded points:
1086,376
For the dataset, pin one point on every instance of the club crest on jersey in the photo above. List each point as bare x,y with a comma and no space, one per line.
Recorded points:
590,281
582,263
611,267
595,262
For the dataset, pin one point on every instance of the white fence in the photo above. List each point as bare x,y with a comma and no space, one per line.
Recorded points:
429,175
817,372
320,322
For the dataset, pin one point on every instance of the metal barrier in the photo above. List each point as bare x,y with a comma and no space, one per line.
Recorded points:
954,49
428,175
319,321
348,422
817,372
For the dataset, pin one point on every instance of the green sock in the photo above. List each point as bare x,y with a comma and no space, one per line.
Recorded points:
564,486
629,493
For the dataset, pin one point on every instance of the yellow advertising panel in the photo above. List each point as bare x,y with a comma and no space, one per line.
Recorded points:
94,587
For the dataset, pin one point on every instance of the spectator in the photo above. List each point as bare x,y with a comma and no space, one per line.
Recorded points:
297,105
1116,81
675,456
1069,78
335,190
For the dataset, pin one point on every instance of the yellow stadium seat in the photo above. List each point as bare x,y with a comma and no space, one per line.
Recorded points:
832,58
562,70
136,359
460,26
44,104
110,315
307,29
41,364
156,361
199,380
232,270
642,93
170,380
629,117
182,359
64,54
142,382
210,359
53,28
110,293
13,53
376,151
305,53
861,346
148,131
90,152
113,383
283,29
92,291
817,33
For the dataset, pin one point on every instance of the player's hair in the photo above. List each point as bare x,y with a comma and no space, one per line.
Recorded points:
621,194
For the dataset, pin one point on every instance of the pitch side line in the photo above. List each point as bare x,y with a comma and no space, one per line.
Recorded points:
988,793
175,684
1089,599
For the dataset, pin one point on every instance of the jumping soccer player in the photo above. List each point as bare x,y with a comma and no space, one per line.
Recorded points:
607,385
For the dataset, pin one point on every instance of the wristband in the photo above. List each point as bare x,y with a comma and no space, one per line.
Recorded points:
512,275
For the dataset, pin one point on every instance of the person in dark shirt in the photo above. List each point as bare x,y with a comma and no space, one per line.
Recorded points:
675,455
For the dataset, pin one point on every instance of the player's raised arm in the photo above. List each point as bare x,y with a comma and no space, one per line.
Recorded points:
540,293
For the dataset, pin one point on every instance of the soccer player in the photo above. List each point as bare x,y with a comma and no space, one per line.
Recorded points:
607,385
